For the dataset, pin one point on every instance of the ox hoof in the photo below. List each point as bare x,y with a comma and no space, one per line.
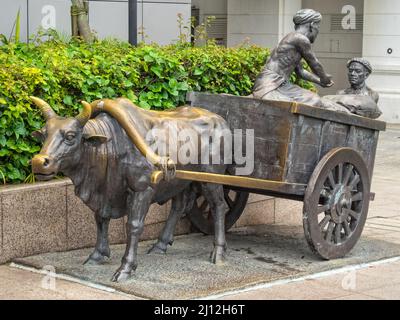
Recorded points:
158,249
121,276
96,258
218,255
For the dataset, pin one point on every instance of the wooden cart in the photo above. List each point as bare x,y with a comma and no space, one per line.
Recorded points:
321,157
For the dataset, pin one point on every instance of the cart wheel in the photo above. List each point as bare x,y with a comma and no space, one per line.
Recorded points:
336,203
201,216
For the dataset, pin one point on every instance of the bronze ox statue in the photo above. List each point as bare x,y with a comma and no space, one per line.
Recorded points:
109,163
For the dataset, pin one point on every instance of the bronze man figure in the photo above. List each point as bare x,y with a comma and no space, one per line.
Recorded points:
359,71
358,98
273,82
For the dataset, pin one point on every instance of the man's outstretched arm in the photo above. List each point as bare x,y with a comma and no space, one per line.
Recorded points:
305,75
304,47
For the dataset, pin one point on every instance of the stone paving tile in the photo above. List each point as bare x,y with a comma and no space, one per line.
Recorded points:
393,237
388,292
305,290
357,281
383,227
379,282
387,273
357,296
24,285
371,231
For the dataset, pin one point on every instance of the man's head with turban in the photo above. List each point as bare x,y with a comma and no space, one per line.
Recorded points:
309,18
305,16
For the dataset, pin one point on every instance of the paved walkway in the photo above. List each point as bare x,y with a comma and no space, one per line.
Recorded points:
377,281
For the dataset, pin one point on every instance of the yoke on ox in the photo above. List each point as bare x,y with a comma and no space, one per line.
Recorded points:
108,160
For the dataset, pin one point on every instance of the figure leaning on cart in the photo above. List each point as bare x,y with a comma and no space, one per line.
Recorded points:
273,82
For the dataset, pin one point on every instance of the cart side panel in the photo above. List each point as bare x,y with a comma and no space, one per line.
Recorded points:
304,149
271,122
312,138
365,142
335,136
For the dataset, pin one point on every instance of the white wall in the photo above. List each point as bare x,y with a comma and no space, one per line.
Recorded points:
160,19
211,7
8,14
253,20
381,32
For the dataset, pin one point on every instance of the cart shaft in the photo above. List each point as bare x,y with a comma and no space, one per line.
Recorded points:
236,181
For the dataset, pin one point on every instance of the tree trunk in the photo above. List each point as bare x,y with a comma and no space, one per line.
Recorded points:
82,20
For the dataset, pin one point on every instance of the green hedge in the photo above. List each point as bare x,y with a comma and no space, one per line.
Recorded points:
64,73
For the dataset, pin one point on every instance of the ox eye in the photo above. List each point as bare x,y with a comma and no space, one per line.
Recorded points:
70,137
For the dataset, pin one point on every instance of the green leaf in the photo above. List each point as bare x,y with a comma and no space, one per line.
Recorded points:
197,72
68,100
144,105
4,152
157,70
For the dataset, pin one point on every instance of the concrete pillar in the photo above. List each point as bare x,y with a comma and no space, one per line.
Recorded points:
381,46
287,9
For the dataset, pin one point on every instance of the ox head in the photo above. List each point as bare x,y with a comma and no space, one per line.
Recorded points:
62,141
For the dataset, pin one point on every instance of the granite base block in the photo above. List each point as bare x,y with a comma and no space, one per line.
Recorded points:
34,221
82,225
288,212
256,213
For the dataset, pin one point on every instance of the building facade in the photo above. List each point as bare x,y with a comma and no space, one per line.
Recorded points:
156,19
368,28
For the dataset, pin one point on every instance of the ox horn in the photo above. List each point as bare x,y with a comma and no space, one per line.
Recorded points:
85,114
44,107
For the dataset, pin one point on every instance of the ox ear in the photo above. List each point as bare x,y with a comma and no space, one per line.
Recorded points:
95,139
38,135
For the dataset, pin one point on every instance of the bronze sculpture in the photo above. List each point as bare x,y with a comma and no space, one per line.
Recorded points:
273,82
358,98
110,164
105,151
359,69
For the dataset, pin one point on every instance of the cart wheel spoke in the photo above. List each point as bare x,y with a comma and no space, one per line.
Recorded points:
228,200
346,227
347,175
325,193
355,180
323,208
340,173
338,229
352,213
331,180
329,232
324,222
357,197
202,218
